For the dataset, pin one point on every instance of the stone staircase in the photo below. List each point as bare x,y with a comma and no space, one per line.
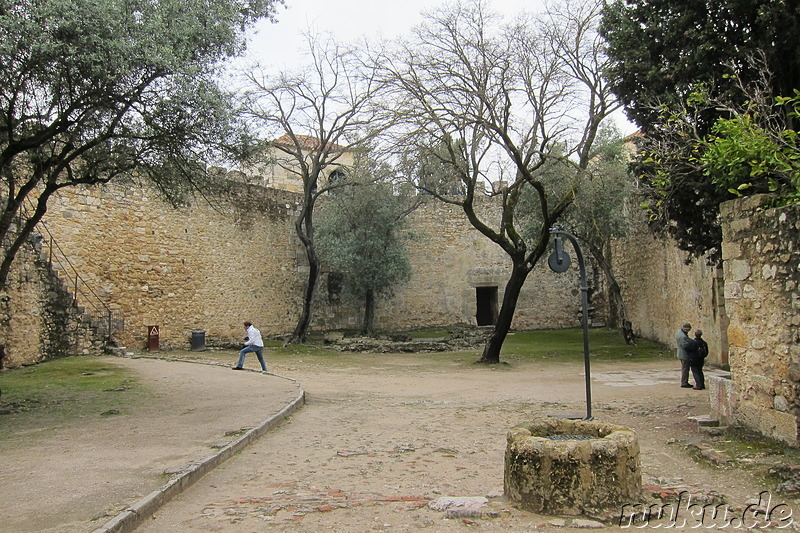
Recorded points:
74,307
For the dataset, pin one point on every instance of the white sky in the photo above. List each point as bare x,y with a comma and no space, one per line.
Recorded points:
281,45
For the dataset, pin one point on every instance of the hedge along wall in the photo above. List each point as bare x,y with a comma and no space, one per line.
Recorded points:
761,254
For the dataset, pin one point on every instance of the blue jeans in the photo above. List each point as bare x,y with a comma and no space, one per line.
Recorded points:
259,353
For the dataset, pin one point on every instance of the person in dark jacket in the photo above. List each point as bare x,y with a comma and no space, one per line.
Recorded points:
685,347
698,358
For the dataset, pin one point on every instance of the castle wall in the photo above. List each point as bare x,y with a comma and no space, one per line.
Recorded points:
761,254
450,260
661,292
21,306
200,268
38,318
211,267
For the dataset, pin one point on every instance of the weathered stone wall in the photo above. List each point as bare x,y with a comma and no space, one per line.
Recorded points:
38,318
208,267
661,292
211,267
21,311
761,253
450,259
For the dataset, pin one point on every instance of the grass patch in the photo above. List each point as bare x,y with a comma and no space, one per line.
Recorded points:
743,445
567,345
520,347
53,393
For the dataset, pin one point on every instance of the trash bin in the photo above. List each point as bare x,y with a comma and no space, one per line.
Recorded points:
153,335
198,340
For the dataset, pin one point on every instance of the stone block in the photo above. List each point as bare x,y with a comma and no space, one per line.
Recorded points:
572,467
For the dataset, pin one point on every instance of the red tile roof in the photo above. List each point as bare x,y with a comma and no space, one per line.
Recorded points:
306,142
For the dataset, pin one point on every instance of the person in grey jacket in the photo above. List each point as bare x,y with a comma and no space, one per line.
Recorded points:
684,353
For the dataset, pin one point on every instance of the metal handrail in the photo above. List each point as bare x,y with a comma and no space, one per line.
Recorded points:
106,312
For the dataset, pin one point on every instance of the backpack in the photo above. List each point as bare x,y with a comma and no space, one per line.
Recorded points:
702,349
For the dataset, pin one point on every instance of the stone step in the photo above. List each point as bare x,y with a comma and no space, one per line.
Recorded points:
714,431
704,420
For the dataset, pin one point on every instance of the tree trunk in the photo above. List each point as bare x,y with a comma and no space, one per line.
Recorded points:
301,329
625,326
369,313
16,242
491,352
305,231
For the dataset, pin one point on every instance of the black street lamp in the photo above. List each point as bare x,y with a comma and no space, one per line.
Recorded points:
559,262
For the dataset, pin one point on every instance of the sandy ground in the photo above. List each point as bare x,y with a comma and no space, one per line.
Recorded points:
373,445
77,477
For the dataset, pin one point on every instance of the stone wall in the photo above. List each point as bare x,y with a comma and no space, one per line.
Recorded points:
38,316
450,260
661,292
208,267
761,254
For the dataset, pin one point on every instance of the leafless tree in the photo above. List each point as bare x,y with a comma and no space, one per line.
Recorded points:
497,103
315,119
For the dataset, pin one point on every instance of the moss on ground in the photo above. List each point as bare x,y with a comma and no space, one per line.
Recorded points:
54,393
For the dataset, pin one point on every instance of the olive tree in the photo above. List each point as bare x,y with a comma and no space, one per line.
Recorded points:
315,118
361,236
96,90
495,102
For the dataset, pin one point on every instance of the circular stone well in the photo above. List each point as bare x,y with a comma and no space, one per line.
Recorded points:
572,467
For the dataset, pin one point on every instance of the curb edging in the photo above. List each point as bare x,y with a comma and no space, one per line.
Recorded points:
135,514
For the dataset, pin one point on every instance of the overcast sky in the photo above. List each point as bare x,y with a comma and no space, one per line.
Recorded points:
281,44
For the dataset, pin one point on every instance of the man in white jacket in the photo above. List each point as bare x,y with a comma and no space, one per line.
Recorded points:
252,343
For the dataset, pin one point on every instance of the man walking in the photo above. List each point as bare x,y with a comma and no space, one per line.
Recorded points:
684,353
252,343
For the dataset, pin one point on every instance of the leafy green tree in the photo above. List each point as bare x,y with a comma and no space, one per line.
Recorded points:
661,53
96,90
429,172
495,103
359,234
753,151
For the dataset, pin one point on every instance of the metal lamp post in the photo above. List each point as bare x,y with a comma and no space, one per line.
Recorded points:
559,262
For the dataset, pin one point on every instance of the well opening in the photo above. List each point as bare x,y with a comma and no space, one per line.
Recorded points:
572,467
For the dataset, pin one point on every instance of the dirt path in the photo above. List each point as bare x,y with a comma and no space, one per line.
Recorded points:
374,444
76,477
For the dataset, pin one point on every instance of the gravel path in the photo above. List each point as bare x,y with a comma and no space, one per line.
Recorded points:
375,444
75,478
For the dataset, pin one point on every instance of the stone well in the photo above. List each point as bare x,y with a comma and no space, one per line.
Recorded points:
572,467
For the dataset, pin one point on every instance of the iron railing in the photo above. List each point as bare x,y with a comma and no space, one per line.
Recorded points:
105,319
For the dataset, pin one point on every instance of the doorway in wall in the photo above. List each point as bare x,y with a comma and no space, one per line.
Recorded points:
486,300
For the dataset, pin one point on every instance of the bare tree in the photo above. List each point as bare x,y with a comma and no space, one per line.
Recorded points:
497,104
316,117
